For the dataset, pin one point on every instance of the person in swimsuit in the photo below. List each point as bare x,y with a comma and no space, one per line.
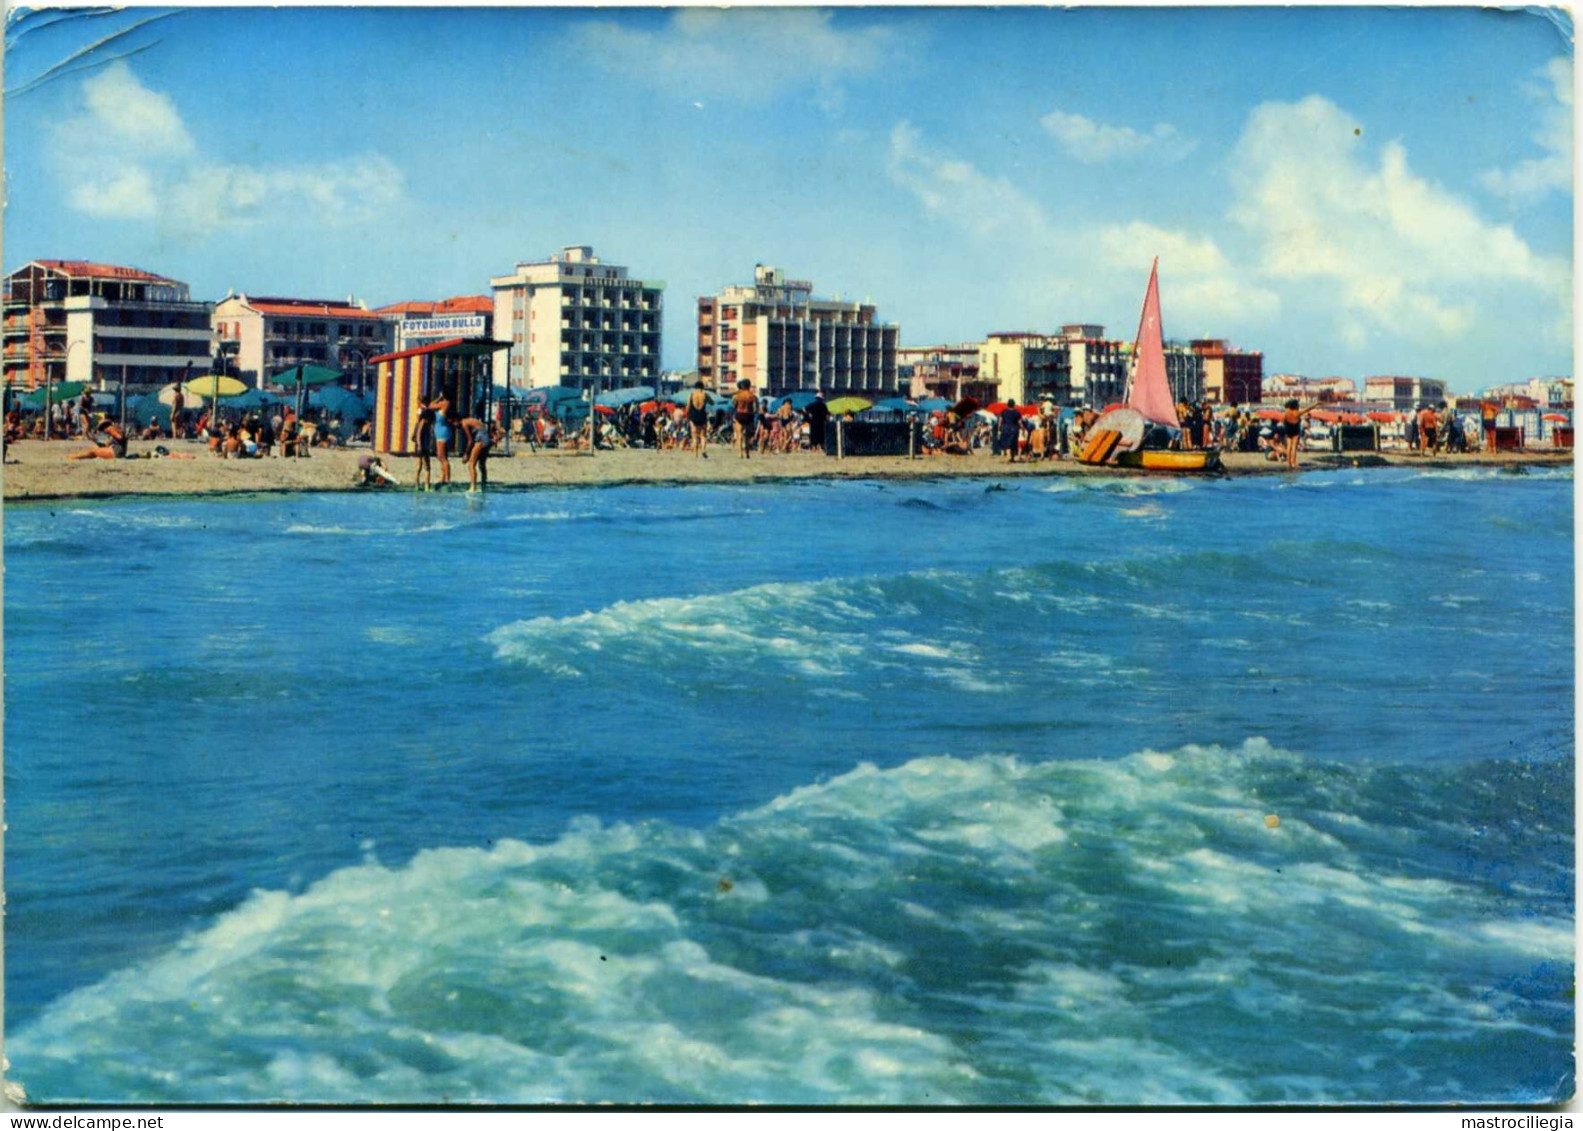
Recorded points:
111,445
423,446
746,406
698,419
443,431
480,438
1292,425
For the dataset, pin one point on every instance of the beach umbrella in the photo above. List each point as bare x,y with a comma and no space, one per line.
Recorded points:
933,404
167,397
615,398
1024,409
843,405
58,392
305,375
895,404
799,400
967,406
1555,418
214,387
604,410
547,398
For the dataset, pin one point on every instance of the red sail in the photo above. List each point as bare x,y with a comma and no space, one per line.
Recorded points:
1151,392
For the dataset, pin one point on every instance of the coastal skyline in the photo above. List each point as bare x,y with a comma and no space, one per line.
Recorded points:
1351,192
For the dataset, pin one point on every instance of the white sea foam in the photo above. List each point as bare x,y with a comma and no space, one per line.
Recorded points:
949,930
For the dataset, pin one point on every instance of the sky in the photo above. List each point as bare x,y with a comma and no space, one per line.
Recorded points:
1352,192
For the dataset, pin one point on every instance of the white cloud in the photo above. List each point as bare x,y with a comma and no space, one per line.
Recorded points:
1094,143
956,191
752,54
1538,176
1393,251
1205,287
129,156
1101,267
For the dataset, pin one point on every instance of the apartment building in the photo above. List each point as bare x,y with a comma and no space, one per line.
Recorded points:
1098,364
258,336
780,337
1184,371
70,320
1231,376
575,320
1404,394
949,371
1023,366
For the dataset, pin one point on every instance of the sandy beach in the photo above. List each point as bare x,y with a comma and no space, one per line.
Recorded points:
38,470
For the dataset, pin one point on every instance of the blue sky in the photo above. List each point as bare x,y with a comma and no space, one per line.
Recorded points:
1352,191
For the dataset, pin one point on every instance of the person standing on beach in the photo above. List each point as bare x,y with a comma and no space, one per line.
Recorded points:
745,404
480,438
698,419
1428,430
1010,429
1292,427
1489,417
818,414
178,413
441,408
423,446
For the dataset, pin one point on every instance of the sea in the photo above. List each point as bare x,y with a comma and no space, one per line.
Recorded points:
961,792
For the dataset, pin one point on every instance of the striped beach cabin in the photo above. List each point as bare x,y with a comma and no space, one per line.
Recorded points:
457,367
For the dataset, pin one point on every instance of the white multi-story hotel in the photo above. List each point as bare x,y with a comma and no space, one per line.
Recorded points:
777,335
576,321
67,320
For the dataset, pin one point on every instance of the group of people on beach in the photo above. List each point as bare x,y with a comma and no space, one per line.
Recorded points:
438,431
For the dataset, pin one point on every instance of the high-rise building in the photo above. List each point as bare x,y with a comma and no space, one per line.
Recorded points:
574,320
1098,365
1184,371
781,338
258,336
67,320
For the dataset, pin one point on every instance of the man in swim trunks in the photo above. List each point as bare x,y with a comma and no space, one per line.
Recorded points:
698,418
745,404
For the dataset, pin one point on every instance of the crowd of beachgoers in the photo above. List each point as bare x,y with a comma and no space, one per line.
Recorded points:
695,422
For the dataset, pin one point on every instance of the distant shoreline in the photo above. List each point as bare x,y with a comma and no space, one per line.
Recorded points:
39,471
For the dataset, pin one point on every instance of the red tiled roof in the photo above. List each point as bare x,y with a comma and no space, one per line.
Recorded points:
322,308
82,269
467,347
461,304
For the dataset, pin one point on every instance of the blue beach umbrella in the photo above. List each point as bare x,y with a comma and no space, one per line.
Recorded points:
895,404
933,404
615,398
799,400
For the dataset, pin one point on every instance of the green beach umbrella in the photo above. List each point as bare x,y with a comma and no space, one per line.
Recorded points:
59,391
305,375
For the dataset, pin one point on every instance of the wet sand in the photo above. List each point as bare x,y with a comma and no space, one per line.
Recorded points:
38,470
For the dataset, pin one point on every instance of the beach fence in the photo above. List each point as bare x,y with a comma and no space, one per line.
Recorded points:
458,368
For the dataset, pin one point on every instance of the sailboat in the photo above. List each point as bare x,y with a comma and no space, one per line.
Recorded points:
1149,408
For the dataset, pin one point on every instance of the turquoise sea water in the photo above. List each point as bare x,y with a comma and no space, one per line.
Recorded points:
849,793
